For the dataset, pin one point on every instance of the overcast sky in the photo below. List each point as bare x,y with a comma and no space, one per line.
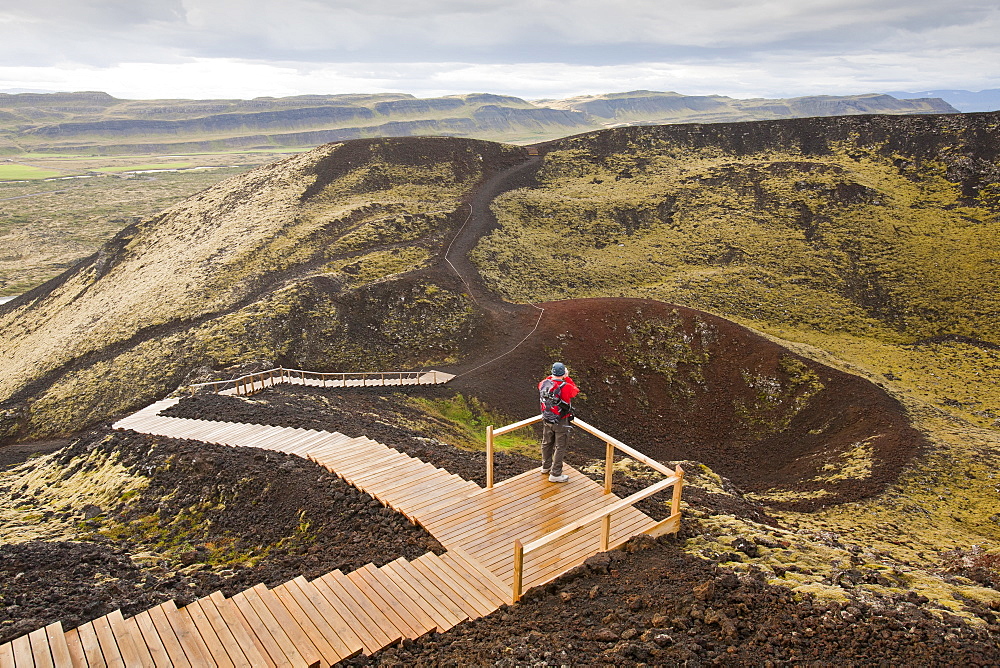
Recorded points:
529,48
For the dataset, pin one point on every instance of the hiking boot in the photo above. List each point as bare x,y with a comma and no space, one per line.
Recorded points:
558,478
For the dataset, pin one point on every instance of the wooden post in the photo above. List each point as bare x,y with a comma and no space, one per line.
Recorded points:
518,570
489,457
605,532
675,504
609,466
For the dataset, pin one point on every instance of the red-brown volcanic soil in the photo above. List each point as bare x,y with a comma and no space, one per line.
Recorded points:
681,384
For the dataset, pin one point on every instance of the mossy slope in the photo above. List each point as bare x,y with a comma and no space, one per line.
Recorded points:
872,233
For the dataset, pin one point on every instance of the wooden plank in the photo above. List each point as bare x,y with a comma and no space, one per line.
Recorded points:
328,654
383,477
91,645
378,617
7,655
459,584
154,644
502,525
216,649
366,464
234,637
109,646
492,541
517,425
264,436
471,577
436,487
303,645
165,632
235,436
251,600
417,619
275,646
435,580
671,524
386,604
401,486
487,500
571,552
478,570
187,634
22,652
333,616
538,518
285,630
56,639
75,647
349,467
440,614
40,652
343,444
430,591
587,540
243,627
427,507
408,473
338,456
305,445
347,625
365,447
130,642
478,524
327,620
631,452
596,515
404,476
370,635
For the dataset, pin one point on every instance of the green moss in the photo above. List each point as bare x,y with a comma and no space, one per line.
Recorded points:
56,494
470,417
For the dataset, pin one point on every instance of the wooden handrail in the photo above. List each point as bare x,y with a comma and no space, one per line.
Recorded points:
631,452
517,425
599,513
284,375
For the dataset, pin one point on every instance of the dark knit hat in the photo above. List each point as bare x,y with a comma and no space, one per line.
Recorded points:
558,369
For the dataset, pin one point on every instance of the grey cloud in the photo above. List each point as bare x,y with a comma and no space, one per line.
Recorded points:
597,32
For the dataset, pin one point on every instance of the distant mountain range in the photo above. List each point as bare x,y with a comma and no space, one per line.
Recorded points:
97,123
963,100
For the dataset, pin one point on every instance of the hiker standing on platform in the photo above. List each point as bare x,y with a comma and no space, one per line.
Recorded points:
556,394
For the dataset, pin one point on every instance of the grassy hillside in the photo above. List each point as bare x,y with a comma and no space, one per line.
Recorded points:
46,226
873,238
284,262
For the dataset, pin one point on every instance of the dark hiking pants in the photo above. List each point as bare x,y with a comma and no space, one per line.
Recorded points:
554,439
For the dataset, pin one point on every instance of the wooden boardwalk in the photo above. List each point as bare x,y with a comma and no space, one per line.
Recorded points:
255,382
302,623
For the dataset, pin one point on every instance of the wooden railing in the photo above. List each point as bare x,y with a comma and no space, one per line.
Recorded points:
675,478
255,382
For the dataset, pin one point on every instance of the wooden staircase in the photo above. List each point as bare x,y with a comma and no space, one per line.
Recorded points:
302,623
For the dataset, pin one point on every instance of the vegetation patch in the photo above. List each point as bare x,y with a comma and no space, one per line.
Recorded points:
470,417
25,173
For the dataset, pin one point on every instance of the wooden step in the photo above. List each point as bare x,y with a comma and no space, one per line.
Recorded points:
373,636
370,607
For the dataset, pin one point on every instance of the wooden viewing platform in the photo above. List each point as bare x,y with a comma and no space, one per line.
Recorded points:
501,540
